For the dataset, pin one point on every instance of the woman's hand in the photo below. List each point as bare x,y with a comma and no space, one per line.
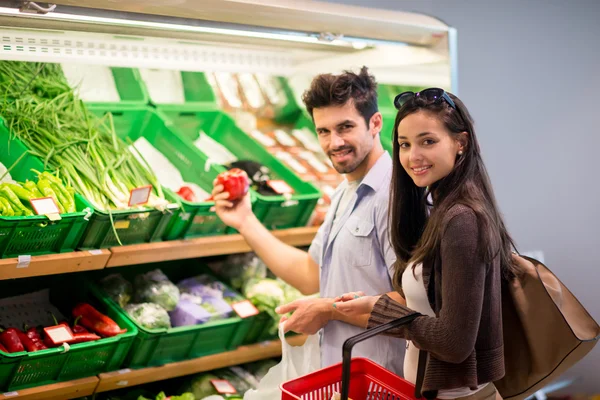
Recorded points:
354,304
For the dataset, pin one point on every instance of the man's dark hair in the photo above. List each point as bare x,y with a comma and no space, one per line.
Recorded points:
327,90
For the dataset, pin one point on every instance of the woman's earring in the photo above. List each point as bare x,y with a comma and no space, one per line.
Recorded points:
460,152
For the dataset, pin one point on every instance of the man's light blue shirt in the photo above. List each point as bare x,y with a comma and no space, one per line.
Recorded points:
355,254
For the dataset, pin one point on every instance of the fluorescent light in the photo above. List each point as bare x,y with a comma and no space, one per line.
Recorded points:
300,37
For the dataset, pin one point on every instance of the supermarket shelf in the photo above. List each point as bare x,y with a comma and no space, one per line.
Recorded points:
201,247
126,378
56,391
11,268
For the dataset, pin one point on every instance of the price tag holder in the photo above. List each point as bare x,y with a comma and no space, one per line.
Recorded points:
139,196
280,187
223,386
23,261
46,206
245,309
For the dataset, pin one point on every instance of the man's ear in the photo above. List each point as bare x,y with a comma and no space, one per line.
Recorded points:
376,123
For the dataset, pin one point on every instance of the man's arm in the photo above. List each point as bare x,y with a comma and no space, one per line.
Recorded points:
289,263
293,265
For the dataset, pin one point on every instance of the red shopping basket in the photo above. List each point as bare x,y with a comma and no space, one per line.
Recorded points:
369,381
357,379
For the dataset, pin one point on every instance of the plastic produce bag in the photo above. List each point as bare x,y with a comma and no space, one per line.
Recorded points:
155,287
295,362
117,288
149,315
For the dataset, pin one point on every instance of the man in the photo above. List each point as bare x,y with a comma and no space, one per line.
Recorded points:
351,251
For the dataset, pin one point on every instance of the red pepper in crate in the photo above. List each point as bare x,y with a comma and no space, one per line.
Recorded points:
96,321
10,339
235,182
33,334
84,337
186,193
29,344
77,328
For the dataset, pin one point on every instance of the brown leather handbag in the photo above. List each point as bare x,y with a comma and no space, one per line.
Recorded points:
546,330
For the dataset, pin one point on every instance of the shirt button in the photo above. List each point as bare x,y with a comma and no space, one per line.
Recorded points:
356,230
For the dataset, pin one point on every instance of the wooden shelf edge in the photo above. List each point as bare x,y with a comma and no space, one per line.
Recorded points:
201,247
127,378
52,264
62,390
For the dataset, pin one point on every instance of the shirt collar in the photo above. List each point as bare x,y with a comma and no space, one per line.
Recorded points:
379,173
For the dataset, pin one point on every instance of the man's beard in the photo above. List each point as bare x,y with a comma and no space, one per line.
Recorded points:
347,168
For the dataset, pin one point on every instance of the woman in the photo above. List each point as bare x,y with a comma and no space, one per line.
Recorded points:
451,253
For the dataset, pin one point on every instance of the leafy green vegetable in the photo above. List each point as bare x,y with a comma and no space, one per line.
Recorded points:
155,287
42,110
149,315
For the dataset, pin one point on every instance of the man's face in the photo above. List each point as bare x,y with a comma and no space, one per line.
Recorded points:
344,136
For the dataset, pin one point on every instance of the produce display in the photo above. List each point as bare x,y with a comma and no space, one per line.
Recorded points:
83,155
298,149
42,111
159,303
15,197
260,94
248,274
88,324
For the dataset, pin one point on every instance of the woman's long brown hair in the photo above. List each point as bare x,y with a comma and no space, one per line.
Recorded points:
415,235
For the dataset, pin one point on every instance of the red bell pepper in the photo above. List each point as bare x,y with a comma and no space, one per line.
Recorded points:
77,328
96,321
11,341
29,344
186,193
84,337
33,334
235,182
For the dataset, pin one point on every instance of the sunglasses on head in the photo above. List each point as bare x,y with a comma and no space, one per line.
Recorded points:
432,94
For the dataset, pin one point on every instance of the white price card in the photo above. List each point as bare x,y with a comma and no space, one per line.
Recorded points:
245,309
140,196
280,187
59,334
23,261
223,386
10,394
46,206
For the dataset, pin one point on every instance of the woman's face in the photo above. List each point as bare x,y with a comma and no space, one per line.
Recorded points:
427,150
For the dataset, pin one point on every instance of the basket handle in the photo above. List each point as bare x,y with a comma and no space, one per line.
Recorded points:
369,333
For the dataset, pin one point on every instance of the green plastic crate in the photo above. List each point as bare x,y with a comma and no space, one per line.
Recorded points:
197,92
193,219
275,212
154,347
130,87
133,226
24,370
36,235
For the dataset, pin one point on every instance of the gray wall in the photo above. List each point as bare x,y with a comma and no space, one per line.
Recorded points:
529,71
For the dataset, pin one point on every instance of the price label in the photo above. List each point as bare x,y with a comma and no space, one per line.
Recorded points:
23,261
223,386
95,252
280,187
59,334
46,206
244,309
10,394
123,224
140,196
